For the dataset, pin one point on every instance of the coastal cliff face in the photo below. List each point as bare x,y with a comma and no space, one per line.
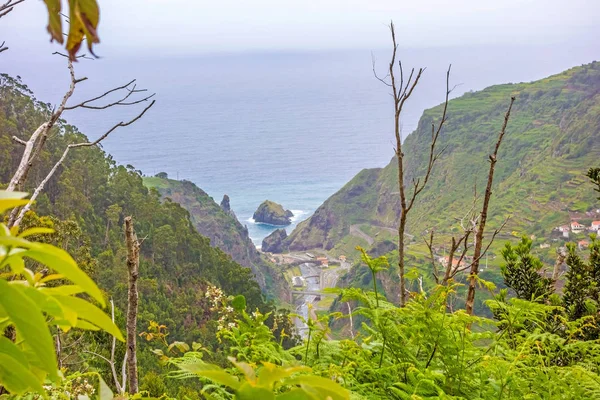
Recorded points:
220,225
275,242
551,140
272,213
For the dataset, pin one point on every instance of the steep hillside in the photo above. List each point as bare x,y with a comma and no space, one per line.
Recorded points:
553,137
221,226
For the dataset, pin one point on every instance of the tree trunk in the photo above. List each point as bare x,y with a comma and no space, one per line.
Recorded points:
484,213
401,230
133,260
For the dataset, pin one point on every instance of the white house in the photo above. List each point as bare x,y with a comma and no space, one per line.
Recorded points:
576,227
595,226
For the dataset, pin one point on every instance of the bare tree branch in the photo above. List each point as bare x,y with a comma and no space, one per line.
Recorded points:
8,7
429,244
121,102
32,146
20,141
470,303
42,184
401,92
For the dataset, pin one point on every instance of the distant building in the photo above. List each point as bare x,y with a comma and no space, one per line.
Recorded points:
324,261
455,261
595,226
583,244
343,258
576,227
544,246
297,281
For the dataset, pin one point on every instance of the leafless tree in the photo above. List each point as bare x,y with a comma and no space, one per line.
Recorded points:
133,261
401,92
479,231
122,384
4,10
36,142
460,246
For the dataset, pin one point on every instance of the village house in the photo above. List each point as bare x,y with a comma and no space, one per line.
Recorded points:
342,258
583,244
323,261
595,226
576,227
544,245
444,261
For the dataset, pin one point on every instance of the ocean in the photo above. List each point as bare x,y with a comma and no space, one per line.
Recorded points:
292,127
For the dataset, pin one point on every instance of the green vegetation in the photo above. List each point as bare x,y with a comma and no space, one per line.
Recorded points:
539,182
85,203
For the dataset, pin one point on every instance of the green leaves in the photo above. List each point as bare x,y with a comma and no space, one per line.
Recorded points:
89,312
28,307
30,324
374,264
16,377
84,16
239,303
268,381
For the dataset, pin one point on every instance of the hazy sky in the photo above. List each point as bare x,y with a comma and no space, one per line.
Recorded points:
197,26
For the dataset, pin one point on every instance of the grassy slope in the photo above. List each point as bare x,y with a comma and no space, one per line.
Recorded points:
552,138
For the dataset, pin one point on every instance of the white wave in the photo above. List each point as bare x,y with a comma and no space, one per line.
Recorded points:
297,214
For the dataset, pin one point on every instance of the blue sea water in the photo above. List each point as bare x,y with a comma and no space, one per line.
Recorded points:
288,127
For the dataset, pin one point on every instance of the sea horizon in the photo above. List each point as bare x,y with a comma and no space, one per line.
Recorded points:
291,127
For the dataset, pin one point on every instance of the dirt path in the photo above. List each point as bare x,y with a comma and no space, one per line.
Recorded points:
355,231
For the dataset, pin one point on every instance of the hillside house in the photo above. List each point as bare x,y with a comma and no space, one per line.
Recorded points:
545,246
323,261
576,227
444,261
342,258
583,244
565,229
595,226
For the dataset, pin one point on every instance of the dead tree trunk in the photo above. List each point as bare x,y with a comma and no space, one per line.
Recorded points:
133,260
33,147
477,253
401,92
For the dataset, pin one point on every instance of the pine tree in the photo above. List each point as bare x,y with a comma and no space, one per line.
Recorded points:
522,272
578,284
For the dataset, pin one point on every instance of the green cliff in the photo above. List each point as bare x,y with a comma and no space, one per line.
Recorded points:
220,225
553,137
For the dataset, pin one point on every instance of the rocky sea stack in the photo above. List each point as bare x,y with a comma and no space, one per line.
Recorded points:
272,213
275,242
